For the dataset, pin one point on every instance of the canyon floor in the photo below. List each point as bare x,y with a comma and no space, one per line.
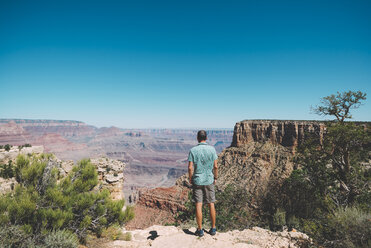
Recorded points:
171,236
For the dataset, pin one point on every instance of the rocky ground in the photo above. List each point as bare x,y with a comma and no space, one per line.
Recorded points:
171,236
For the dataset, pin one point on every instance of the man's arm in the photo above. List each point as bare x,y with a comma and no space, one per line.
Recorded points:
215,169
190,171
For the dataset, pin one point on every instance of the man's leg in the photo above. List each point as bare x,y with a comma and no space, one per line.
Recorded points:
212,214
199,215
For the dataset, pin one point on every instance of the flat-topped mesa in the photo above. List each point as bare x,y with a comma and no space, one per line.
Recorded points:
288,133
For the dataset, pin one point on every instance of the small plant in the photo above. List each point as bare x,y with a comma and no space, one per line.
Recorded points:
7,170
7,147
113,233
14,236
350,227
127,236
279,219
61,239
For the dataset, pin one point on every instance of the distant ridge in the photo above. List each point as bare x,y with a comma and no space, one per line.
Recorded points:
4,120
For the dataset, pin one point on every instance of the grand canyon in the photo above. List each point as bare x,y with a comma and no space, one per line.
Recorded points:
154,157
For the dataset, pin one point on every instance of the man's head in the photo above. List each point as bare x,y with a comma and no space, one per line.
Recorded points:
201,135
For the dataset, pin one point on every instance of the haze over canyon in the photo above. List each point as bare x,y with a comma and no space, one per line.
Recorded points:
155,157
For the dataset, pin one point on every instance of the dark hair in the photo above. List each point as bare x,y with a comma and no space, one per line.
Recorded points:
201,135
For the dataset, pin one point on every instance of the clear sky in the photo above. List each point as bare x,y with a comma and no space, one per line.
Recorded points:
138,64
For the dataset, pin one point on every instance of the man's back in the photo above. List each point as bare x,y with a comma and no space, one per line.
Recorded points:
203,156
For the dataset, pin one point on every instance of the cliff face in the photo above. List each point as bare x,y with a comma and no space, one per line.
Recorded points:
278,132
56,143
11,133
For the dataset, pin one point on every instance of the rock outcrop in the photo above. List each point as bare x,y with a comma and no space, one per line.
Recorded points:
170,236
110,171
278,132
158,206
111,175
12,154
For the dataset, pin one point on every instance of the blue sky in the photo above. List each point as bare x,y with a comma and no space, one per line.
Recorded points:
180,64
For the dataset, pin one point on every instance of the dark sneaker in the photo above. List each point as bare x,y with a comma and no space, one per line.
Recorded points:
199,233
212,231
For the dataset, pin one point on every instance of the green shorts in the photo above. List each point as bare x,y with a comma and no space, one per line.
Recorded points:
204,193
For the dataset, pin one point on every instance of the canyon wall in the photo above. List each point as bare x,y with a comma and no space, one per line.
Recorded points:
279,132
65,128
11,133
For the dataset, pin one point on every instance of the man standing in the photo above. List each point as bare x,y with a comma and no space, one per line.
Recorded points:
203,172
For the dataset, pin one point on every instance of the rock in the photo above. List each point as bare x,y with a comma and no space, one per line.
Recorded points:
6,185
112,178
170,236
5,156
278,132
110,175
170,199
258,168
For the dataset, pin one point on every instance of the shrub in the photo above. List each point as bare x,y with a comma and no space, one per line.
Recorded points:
7,170
349,227
40,204
279,219
127,236
113,232
232,206
7,147
60,239
15,236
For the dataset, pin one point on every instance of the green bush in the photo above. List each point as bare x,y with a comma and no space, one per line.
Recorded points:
232,209
13,236
43,202
60,239
279,219
349,227
127,236
7,170
7,147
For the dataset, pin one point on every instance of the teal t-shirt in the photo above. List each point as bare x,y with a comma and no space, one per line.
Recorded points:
203,156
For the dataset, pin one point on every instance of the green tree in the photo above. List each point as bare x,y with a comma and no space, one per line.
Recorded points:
333,169
339,105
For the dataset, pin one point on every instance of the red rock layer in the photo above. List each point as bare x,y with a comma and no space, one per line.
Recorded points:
11,133
54,142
